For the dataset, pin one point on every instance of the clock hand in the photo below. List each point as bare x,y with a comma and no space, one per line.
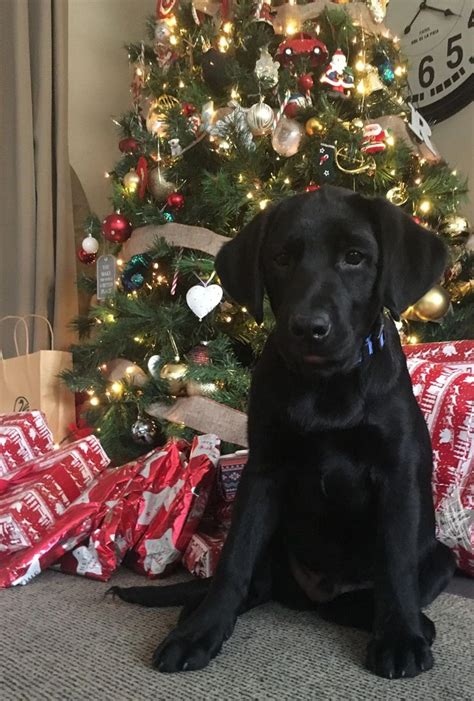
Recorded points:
409,26
446,13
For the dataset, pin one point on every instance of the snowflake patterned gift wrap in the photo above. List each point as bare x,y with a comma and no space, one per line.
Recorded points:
229,470
40,491
173,514
23,436
443,384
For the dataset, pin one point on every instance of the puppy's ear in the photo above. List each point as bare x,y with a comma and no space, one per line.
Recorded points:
238,266
412,258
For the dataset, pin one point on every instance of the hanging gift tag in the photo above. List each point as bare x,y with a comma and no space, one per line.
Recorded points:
421,128
106,275
326,163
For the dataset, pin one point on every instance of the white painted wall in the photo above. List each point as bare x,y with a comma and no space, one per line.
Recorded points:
99,89
99,79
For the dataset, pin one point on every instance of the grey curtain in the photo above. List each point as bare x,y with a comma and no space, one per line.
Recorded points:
37,254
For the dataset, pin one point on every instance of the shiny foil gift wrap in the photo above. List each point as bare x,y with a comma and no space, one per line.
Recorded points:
40,491
173,513
23,436
203,552
128,498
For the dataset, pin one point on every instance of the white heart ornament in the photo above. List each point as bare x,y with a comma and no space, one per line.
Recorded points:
202,299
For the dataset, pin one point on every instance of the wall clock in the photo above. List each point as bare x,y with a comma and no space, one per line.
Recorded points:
437,38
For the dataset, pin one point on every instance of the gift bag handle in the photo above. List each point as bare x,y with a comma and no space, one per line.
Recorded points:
19,319
27,335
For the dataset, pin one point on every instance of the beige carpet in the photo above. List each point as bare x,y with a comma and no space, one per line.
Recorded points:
60,640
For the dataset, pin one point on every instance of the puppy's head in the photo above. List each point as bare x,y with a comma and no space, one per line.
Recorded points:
329,260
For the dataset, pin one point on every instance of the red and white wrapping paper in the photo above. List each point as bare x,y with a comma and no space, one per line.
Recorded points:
203,552
23,436
41,490
127,499
174,513
444,389
453,353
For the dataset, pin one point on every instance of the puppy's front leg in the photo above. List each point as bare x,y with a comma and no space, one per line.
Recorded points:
402,634
199,637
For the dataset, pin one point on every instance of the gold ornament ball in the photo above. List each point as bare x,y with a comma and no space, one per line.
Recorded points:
159,187
131,180
433,305
200,389
174,374
313,126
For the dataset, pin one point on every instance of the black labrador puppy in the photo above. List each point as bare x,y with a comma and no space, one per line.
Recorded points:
334,509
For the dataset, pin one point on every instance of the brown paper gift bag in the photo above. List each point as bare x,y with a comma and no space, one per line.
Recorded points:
31,382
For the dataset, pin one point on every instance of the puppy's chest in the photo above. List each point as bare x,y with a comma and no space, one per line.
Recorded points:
308,411
332,471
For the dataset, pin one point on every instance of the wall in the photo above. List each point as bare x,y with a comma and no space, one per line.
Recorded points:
99,79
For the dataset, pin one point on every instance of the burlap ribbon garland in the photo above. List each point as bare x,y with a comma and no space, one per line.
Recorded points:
199,413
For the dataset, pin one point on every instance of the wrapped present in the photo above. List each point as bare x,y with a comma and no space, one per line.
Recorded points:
128,498
23,436
203,552
453,352
229,472
21,567
181,500
445,394
41,490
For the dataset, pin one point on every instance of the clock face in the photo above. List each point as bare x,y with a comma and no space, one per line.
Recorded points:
437,38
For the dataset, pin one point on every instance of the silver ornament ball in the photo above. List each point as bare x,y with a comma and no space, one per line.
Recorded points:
260,118
145,430
287,137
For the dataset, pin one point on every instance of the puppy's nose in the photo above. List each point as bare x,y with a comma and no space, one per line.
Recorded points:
315,326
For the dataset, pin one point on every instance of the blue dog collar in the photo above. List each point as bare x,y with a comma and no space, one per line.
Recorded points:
374,341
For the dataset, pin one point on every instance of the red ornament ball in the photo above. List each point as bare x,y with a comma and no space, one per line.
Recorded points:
312,187
188,109
116,228
128,145
291,109
175,200
84,257
305,82
199,355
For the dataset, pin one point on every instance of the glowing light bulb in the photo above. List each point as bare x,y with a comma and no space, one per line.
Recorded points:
425,206
116,387
228,27
222,44
361,88
360,65
263,204
291,27
94,401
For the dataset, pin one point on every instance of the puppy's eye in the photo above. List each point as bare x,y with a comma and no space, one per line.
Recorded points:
283,259
353,257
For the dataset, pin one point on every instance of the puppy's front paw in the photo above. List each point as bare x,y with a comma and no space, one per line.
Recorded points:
190,647
394,657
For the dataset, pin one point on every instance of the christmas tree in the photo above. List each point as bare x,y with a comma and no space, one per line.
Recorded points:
235,106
